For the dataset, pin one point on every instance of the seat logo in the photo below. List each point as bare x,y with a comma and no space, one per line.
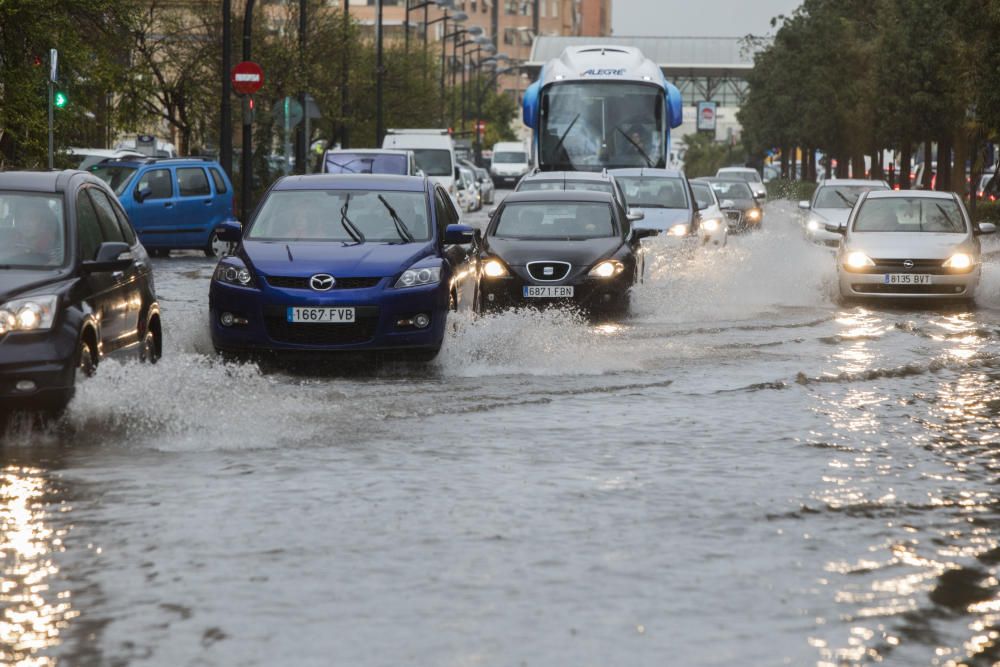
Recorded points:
907,263
548,271
322,282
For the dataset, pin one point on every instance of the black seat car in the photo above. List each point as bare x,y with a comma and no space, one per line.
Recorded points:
75,287
575,249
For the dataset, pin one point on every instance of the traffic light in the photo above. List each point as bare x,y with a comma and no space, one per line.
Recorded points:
60,99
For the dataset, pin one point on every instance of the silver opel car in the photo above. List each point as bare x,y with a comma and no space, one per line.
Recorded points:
909,244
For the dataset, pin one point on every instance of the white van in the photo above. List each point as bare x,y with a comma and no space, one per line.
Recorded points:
433,150
510,163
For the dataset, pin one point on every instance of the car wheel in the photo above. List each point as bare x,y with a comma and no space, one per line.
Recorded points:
86,364
216,247
150,350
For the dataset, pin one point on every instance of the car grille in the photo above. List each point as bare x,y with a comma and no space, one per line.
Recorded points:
548,271
279,329
929,266
297,282
734,217
879,288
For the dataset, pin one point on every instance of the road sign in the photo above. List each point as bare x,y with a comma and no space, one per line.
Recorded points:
287,112
247,78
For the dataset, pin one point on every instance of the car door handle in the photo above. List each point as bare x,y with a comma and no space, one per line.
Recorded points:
208,202
168,204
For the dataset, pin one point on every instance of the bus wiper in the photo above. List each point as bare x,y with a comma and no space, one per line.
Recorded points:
649,162
401,229
351,228
563,137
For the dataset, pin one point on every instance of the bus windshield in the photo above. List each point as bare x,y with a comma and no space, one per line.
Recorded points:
590,125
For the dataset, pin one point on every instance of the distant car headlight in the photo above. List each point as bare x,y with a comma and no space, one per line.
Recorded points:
711,225
678,230
494,268
814,225
36,313
958,261
858,260
418,277
753,215
607,269
232,274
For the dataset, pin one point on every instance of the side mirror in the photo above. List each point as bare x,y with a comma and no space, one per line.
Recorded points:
727,203
804,205
836,229
459,234
143,194
230,231
635,215
986,228
490,213
645,233
111,256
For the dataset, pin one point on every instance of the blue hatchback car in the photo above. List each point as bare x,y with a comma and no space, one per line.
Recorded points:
174,203
337,262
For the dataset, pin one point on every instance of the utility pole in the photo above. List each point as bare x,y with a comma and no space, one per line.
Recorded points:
301,138
379,76
345,68
247,156
53,75
226,121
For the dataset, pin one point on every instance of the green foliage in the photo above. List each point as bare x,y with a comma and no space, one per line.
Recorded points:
780,188
704,155
987,211
89,37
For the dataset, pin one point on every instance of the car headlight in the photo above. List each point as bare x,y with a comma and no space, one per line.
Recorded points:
958,261
858,260
607,269
753,214
232,274
814,225
36,313
494,268
430,275
711,225
678,230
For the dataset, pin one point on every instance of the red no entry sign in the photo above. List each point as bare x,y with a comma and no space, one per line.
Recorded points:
247,78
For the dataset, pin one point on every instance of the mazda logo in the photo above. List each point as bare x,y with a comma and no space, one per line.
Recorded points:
322,282
907,263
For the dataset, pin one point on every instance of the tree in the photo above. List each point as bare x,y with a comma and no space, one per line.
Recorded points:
704,156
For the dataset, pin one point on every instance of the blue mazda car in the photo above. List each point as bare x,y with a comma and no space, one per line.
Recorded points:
337,262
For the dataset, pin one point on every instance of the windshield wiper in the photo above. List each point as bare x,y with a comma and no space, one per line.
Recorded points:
343,166
401,229
649,162
351,228
846,200
563,137
951,223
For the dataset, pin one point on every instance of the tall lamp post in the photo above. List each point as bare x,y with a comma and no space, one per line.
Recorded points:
247,156
479,103
226,124
458,17
473,31
379,75
345,69
441,4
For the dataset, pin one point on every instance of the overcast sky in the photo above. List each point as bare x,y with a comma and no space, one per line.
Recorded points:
696,18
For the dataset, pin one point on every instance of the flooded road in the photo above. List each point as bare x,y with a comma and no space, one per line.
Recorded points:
743,472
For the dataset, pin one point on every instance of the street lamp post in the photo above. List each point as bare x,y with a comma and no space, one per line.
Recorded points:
479,103
226,124
457,17
345,68
247,157
379,75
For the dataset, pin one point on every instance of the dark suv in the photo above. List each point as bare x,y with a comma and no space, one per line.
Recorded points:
75,287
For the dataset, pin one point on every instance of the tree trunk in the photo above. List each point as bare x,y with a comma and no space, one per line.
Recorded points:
810,165
961,147
905,154
843,166
784,163
877,172
925,182
795,163
943,180
858,165
828,167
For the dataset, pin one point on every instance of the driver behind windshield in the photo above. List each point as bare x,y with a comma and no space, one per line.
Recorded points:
39,230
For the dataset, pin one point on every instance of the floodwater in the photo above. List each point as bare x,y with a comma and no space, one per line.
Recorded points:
743,472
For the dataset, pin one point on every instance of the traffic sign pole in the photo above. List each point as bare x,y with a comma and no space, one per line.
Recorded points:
53,75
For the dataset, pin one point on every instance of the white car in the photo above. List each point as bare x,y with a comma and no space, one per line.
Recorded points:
831,205
468,196
509,164
745,174
433,150
906,245
713,229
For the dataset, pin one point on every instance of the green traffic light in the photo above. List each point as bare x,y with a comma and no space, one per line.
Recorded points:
60,100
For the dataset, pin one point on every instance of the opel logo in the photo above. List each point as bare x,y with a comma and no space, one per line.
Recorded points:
907,263
322,282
